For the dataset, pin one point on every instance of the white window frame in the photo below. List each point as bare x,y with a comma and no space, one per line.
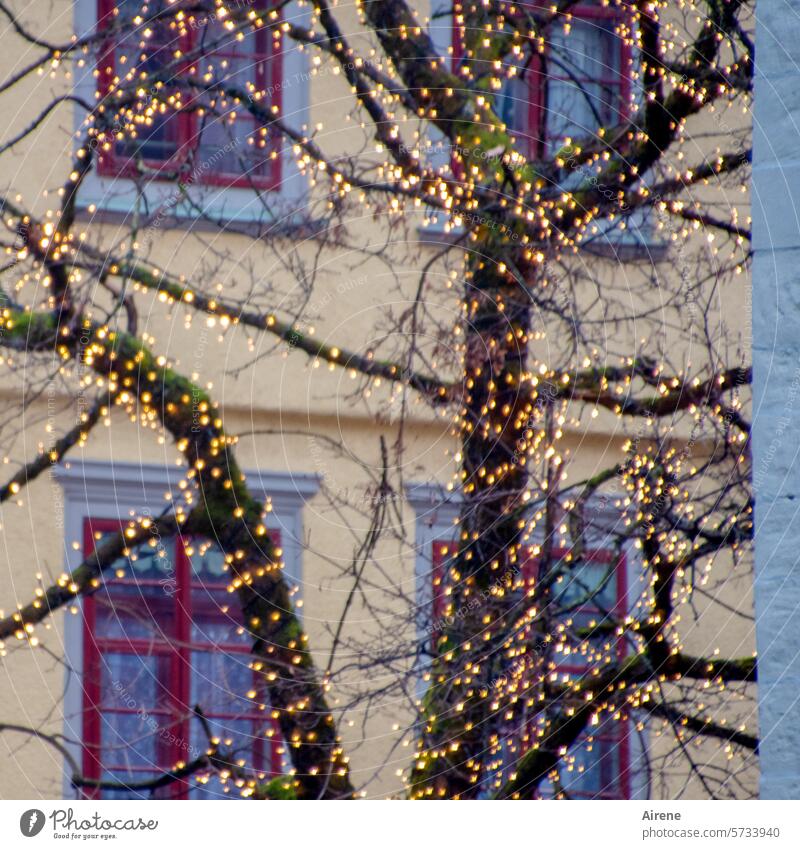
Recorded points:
435,511
97,489
234,204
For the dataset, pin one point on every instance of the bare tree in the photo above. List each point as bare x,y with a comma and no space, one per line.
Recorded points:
589,255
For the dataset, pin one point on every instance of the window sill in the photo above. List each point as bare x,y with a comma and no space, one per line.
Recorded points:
628,251
290,225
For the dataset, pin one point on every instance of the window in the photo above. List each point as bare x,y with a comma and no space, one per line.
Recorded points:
99,497
587,591
211,139
580,83
162,635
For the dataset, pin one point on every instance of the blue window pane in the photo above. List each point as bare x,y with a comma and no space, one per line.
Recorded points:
131,682
514,105
129,741
584,79
134,612
148,563
233,140
216,615
217,620
158,139
137,599
208,564
136,731
154,562
129,777
595,770
587,582
220,684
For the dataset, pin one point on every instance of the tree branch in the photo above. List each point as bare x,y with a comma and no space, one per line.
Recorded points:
52,455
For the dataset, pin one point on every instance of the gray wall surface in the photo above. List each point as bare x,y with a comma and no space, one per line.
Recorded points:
776,391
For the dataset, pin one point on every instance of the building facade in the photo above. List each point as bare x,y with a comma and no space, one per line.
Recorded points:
121,672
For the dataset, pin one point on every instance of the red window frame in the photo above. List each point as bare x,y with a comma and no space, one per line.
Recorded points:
440,552
268,77
535,128
620,733
177,655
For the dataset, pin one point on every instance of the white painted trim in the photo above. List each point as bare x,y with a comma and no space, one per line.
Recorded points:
111,490
436,512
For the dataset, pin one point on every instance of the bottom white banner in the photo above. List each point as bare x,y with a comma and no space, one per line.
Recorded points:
367,823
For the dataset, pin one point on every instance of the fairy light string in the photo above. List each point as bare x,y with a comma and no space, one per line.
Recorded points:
499,715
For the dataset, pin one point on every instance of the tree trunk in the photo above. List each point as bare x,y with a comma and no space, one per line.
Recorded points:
461,719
